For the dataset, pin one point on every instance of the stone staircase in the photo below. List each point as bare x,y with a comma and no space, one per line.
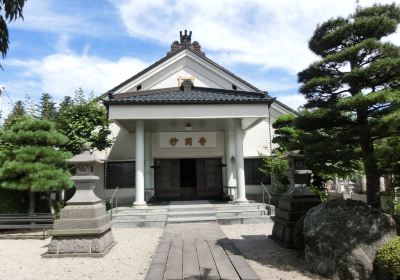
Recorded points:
192,212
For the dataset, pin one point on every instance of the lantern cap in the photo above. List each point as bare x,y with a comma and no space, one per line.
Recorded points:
292,154
85,157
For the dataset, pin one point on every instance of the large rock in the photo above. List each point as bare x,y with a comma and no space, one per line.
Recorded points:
342,237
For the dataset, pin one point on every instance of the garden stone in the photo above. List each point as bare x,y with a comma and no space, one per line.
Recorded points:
342,238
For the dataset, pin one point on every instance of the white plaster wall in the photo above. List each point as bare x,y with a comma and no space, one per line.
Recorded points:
172,80
256,140
189,111
203,71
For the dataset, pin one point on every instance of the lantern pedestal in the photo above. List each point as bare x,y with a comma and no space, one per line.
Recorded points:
295,202
84,228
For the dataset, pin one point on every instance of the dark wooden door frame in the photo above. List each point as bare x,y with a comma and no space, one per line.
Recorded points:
167,179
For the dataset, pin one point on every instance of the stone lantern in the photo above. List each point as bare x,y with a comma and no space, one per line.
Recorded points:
295,202
84,228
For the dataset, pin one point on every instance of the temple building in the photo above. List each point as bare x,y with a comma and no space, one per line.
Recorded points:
186,128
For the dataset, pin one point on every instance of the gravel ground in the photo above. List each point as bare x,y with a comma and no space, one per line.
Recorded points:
268,259
129,259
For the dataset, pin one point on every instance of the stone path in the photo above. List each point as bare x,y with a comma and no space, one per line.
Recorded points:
198,251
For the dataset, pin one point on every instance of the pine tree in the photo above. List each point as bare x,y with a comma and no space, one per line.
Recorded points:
30,158
353,91
17,113
47,107
64,104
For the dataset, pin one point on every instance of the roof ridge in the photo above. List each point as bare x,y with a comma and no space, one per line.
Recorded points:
232,91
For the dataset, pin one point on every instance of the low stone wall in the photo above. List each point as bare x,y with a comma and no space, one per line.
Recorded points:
359,197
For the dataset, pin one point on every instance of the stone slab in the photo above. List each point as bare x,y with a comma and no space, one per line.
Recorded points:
155,272
173,269
190,265
198,251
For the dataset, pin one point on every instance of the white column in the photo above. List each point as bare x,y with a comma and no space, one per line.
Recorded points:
139,199
228,160
147,160
241,185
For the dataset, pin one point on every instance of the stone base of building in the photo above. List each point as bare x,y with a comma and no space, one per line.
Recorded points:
291,209
80,246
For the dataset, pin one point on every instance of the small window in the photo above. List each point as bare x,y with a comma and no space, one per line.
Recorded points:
139,87
253,175
234,87
119,174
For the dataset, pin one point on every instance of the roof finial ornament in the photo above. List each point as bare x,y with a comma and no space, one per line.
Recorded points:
186,38
185,43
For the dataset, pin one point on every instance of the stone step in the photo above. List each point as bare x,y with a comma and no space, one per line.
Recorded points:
244,220
258,206
192,214
140,216
139,223
190,209
240,213
191,220
140,210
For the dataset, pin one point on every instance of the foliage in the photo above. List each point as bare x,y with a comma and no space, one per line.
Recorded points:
18,112
30,158
278,169
47,107
322,195
298,235
397,209
287,134
388,155
388,257
10,10
83,120
352,92
57,206
13,201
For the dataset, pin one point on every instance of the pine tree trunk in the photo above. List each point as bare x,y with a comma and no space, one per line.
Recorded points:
31,202
371,172
369,159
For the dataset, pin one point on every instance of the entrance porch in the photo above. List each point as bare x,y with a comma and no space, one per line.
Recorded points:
188,141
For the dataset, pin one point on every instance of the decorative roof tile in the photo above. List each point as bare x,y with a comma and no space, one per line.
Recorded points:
195,95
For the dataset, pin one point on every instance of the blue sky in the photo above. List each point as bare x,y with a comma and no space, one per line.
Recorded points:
66,44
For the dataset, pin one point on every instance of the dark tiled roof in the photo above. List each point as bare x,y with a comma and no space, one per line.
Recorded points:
195,95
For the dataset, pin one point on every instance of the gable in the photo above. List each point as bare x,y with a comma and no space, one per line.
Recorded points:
184,64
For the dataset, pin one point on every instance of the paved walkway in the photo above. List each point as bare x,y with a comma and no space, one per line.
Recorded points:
198,251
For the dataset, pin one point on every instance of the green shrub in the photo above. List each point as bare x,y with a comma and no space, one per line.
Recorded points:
13,201
397,209
388,258
57,206
322,195
298,235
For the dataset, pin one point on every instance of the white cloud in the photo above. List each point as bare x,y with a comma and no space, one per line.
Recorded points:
61,74
272,34
50,16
